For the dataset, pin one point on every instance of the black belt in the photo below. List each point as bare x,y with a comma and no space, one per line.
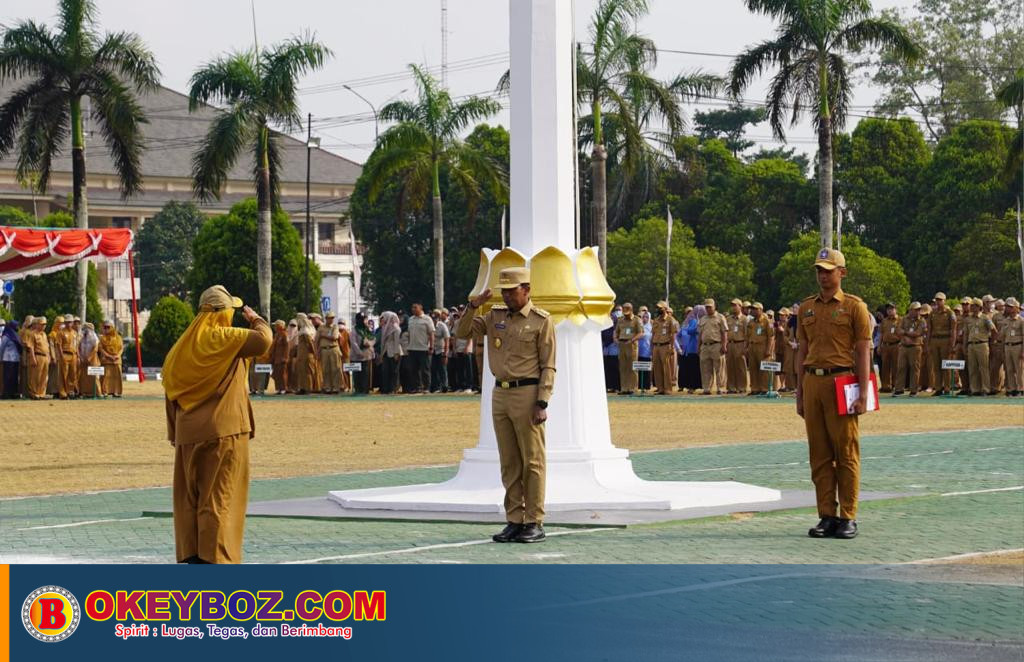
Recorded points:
894,342
936,337
515,383
714,342
821,372
1014,344
977,342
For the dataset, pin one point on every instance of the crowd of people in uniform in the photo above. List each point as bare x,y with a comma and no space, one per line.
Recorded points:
40,364
708,352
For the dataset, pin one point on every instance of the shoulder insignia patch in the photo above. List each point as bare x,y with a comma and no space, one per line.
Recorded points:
541,312
499,306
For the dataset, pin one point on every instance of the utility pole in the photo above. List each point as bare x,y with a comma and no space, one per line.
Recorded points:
309,233
444,44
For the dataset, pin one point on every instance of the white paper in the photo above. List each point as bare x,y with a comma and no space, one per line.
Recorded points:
852,392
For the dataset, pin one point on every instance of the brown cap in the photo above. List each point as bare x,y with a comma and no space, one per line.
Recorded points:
926,309
89,325
661,304
987,298
709,302
939,295
59,319
966,301
737,302
746,304
280,323
828,258
513,277
976,301
329,314
1010,301
999,302
758,305
914,305
39,320
784,311
218,298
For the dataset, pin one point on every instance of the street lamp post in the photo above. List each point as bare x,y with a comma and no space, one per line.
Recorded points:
376,130
311,144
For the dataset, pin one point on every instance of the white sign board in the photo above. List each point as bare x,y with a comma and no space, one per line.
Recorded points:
771,366
264,368
95,371
325,304
953,365
352,367
123,289
642,366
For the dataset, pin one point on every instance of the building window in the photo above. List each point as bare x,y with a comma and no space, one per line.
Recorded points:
325,232
123,222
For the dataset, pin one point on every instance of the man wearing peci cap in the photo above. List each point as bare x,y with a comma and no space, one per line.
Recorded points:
37,358
521,355
908,363
941,341
330,355
209,424
1012,336
978,332
736,354
664,328
995,371
760,346
628,331
835,340
713,337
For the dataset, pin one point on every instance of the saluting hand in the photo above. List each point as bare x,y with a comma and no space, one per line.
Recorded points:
480,299
249,314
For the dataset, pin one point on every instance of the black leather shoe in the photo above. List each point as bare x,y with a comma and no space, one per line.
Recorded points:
826,528
846,529
507,534
530,533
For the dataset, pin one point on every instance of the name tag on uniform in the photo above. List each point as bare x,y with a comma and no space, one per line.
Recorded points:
628,332
759,330
1013,332
735,329
499,325
664,332
892,330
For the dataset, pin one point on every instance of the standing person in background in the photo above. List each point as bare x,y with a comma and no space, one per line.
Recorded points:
362,353
908,364
689,347
209,423
643,350
111,348
941,342
760,346
439,353
889,349
421,346
996,375
37,355
924,382
610,352
89,356
713,334
979,331
406,369
627,334
1012,336
11,351
736,368
291,377
67,353
54,385
330,355
783,353
76,326
26,328
663,337
279,357
390,352
462,349
317,382
344,346
305,356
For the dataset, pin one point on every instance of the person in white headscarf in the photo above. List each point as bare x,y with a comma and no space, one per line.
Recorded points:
390,351
89,356
306,364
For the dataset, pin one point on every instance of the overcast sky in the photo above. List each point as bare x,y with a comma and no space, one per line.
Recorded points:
374,41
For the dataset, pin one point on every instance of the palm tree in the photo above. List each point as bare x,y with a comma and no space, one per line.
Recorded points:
1011,96
56,70
257,89
425,140
808,50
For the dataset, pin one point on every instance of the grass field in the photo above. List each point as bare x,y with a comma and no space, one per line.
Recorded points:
54,447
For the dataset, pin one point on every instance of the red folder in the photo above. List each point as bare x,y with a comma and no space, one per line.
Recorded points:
847,389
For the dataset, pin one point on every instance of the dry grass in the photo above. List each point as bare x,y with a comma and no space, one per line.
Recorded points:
1015,558
54,447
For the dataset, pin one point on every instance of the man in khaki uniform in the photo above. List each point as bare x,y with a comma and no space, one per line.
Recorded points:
330,355
835,340
963,377
1012,336
713,339
67,351
995,361
760,347
924,380
912,331
664,328
889,349
978,332
941,342
628,331
209,423
521,356
37,357
736,355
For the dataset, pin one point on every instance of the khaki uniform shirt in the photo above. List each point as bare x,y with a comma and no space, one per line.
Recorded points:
942,324
229,411
522,344
830,329
711,328
759,331
1012,332
279,349
66,344
978,329
628,330
916,326
38,345
738,327
326,337
890,330
1000,320
663,330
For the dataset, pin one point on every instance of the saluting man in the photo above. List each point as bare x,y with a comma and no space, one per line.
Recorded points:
835,340
628,331
521,355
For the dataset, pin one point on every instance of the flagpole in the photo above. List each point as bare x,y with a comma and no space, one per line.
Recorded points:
503,228
668,250
1020,243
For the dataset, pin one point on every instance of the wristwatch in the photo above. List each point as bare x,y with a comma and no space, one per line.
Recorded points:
543,404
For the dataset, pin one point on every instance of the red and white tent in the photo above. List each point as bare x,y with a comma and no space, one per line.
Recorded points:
34,251
28,251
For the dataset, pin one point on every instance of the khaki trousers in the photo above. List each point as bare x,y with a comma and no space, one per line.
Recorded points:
758,379
211,493
938,351
736,367
68,383
663,367
330,365
908,368
890,357
112,379
37,377
1012,363
711,361
280,370
995,367
977,366
521,453
833,444
627,376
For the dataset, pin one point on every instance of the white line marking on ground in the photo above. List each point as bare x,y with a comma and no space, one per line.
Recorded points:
92,521
970,555
994,489
424,548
